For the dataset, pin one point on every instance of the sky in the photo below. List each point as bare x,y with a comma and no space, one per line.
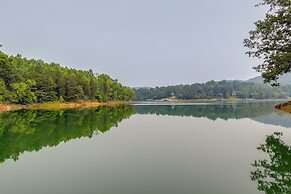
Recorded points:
138,42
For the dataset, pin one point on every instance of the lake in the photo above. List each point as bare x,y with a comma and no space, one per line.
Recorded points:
147,149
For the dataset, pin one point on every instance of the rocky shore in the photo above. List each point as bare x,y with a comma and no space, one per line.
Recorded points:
284,106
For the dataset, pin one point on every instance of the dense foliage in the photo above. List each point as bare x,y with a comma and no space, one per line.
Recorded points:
24,81
31,130
212,89
271,40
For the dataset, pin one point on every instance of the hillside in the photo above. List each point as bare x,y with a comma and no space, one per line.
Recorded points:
28,81
284,79
215,90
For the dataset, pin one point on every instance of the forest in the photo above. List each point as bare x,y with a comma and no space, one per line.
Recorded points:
215,89
26,81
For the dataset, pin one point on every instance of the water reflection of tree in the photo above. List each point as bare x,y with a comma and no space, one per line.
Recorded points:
273,175
213,112
260,111
31,130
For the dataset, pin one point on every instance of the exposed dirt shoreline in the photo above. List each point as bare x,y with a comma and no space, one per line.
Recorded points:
58,105
284,106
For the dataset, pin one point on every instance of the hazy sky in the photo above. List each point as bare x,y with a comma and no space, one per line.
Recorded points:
138,42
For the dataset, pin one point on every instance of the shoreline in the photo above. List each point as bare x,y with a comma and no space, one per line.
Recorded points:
87,104
58,105
206,101
284,106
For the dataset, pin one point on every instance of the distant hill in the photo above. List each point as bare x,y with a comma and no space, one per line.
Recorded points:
142,87
284,79
215,90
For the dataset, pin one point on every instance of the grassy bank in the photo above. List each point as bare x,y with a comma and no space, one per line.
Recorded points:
58,105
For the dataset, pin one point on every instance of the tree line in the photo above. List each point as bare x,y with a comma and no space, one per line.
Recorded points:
26,81
213,89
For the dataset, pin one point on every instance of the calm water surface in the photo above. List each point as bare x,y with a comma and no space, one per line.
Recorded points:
147,149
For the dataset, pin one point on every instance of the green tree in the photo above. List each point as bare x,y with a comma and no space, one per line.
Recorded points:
271,40
3,92
9,69
54,83
22,92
